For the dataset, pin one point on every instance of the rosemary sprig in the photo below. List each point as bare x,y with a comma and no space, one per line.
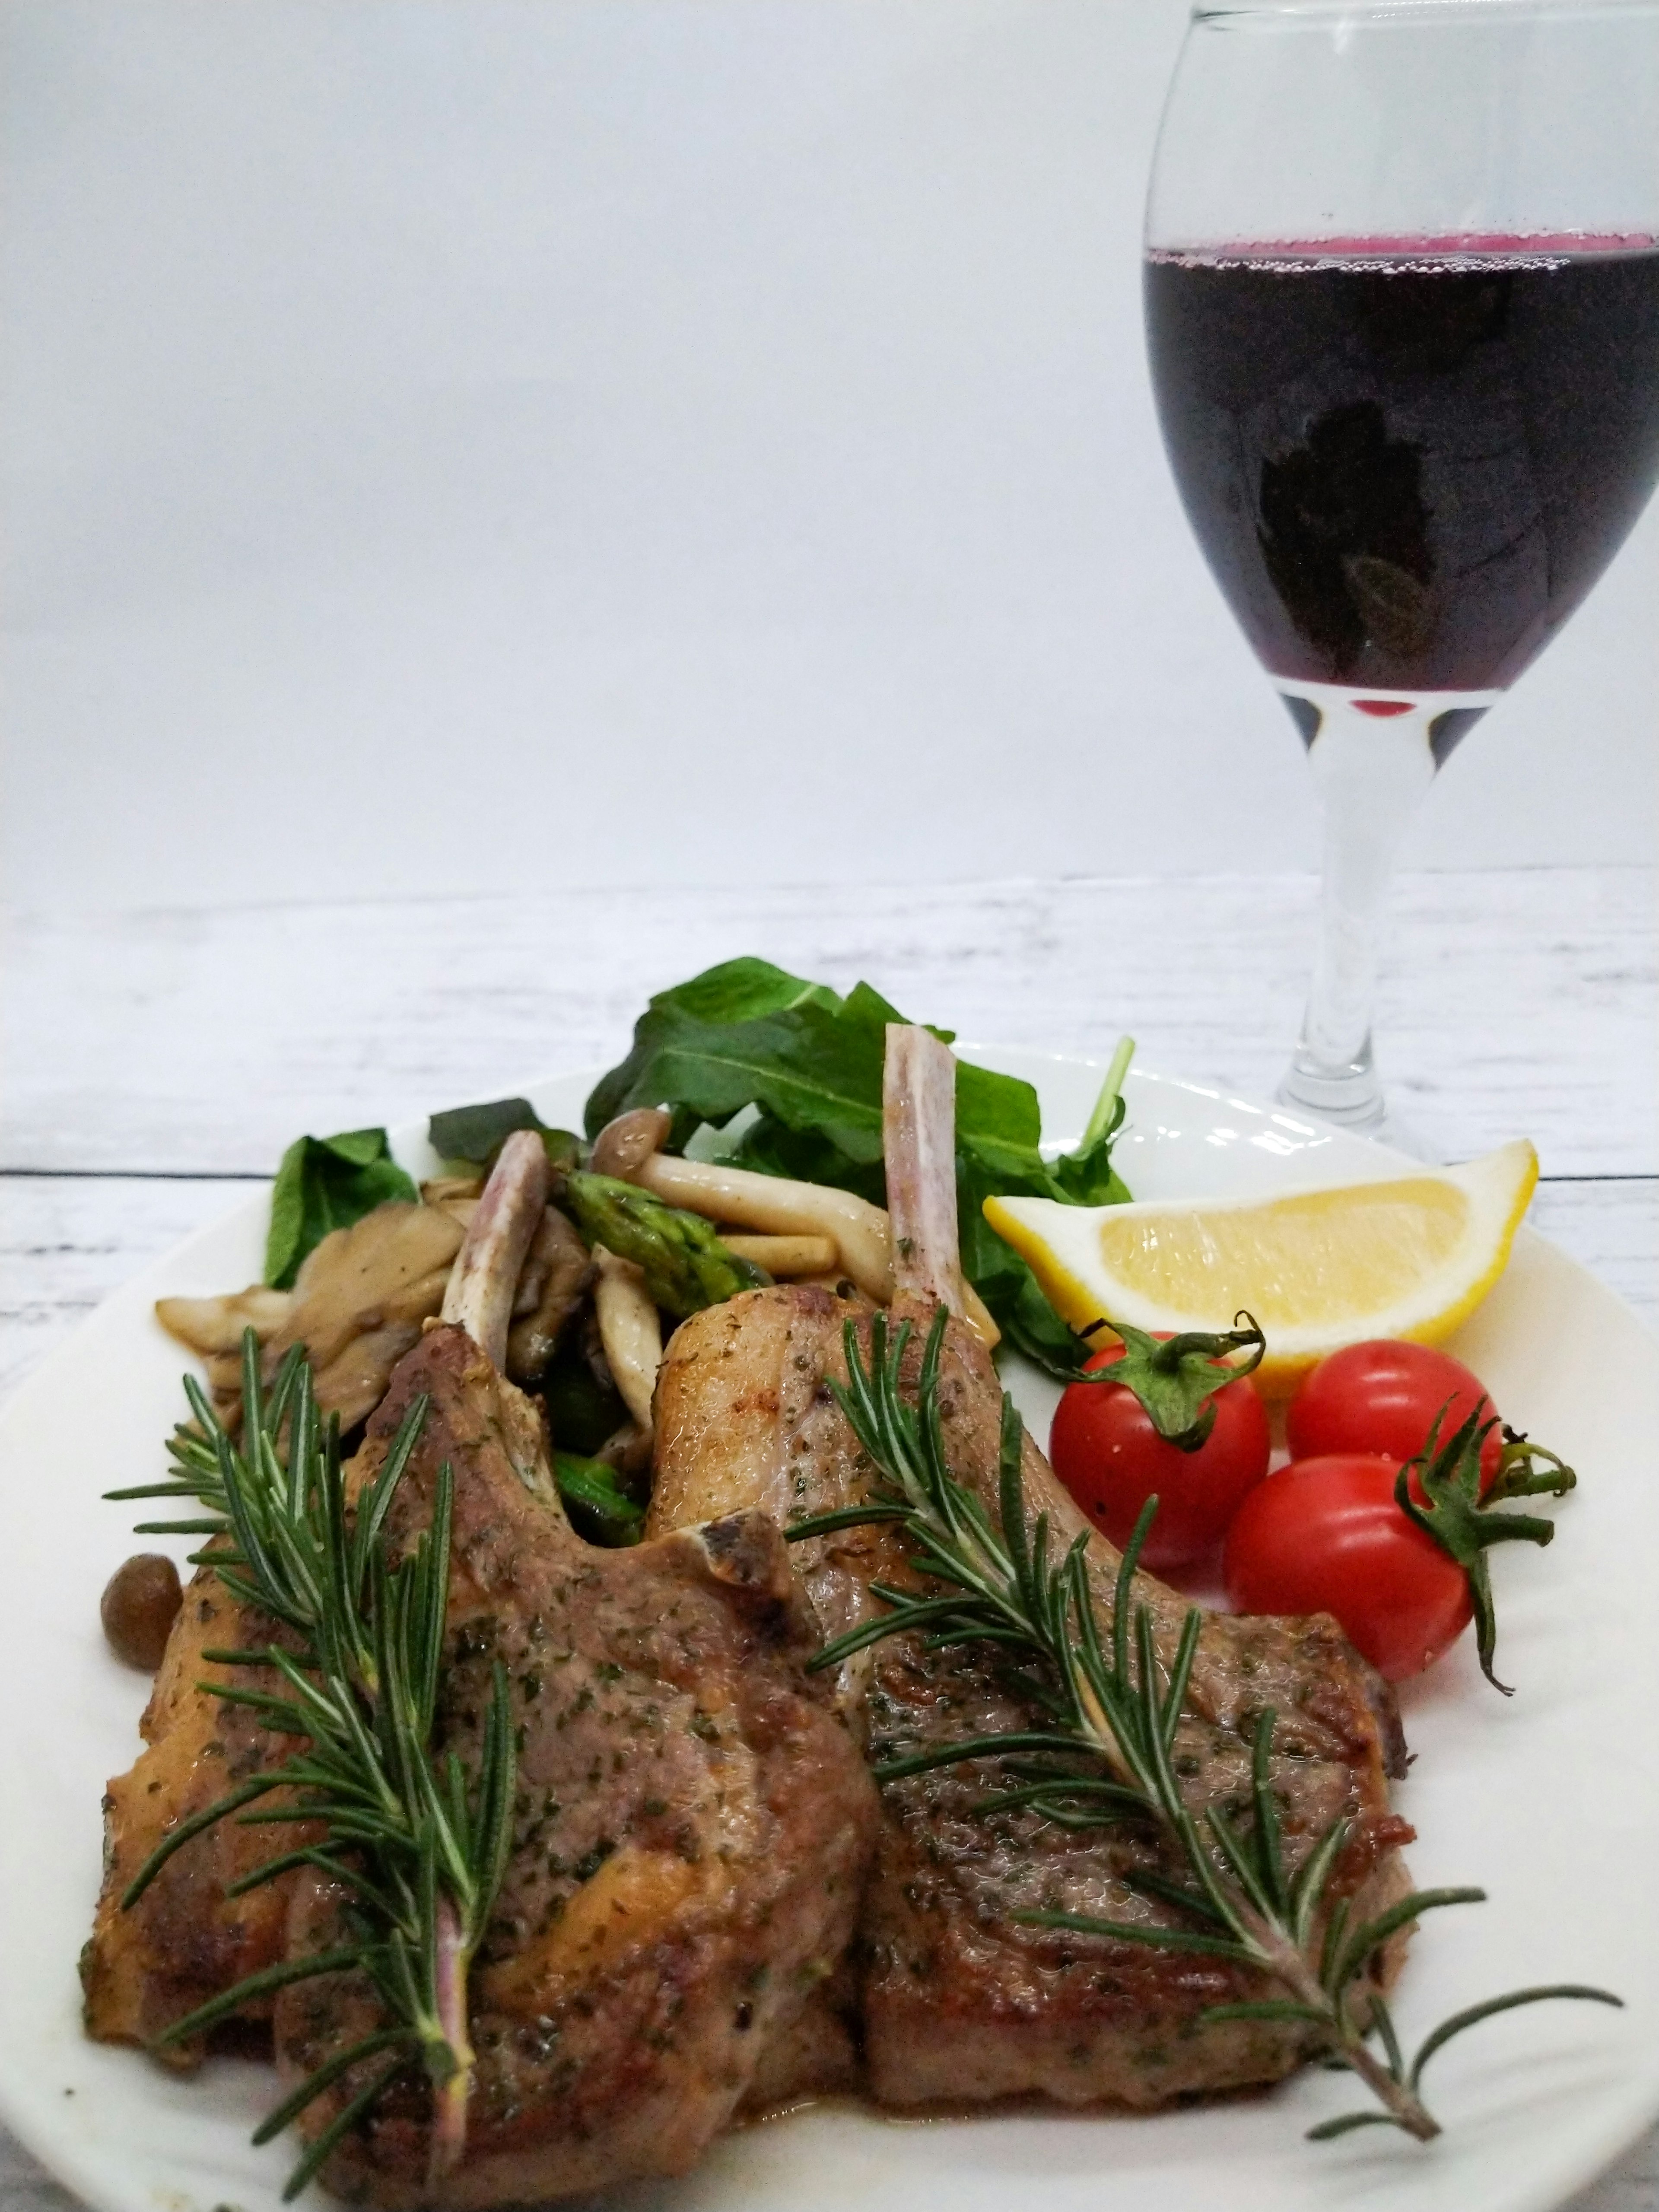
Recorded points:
419,1848
1103,1754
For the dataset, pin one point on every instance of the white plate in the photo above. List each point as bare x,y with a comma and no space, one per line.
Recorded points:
1550,1799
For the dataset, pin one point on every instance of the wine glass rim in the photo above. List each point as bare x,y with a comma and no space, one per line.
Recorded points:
1269,15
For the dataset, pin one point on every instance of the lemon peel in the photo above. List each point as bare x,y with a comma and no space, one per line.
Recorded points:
1409,1256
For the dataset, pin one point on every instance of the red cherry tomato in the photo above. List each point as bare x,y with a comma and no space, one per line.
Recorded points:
1326,1535
1382,1397
1106,1451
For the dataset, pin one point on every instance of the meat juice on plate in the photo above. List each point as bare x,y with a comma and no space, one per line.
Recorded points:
1407,460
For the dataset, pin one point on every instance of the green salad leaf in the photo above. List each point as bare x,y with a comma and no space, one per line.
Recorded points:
476,1133
325,1183
806,1064
674,1033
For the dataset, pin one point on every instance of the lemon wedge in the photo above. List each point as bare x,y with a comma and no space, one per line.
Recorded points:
1409,1257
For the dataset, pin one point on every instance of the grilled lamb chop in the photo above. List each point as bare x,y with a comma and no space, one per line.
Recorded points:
185,1940
692,1835
692,1827
958,2002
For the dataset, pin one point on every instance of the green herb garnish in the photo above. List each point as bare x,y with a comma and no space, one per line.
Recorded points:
1104,1752
420,1847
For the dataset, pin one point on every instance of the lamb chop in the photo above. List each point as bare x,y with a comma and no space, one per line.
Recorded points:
959,2002
192,1932
692,1822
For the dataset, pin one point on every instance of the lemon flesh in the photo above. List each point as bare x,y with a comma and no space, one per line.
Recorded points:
1411,1257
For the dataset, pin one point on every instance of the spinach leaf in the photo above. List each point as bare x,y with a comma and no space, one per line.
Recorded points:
737,992
475,1134
582,1411
747,1034
325,1183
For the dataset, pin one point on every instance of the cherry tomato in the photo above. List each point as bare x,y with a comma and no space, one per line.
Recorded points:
1326,1535
1106,1451
1382,1397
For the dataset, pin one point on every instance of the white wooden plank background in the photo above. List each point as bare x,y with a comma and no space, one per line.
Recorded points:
1515,999
155,1063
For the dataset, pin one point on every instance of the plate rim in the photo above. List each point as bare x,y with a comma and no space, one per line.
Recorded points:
1629,2109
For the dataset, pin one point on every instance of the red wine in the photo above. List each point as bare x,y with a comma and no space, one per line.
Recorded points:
1408,461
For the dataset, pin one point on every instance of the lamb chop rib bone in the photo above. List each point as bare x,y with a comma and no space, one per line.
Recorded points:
959,2002
919,1120
485,1276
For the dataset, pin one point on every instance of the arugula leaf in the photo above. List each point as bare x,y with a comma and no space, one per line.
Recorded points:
749,1036
1018,1304
1086,1176
325,1183
474,1134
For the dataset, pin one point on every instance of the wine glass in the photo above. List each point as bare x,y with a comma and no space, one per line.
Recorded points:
1402,310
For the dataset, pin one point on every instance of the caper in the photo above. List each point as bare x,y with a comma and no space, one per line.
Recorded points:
140,1602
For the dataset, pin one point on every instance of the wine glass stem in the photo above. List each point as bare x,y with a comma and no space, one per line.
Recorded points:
1371,772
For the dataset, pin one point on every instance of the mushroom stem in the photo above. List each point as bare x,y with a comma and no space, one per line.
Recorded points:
784,1256
630,1330
783,1208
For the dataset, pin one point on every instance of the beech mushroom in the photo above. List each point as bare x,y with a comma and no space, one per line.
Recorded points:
630,1330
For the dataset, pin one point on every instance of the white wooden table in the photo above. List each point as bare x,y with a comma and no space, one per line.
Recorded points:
154,1061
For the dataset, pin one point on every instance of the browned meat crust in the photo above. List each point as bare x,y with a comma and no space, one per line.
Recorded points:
185,1941
959,2002
692,1830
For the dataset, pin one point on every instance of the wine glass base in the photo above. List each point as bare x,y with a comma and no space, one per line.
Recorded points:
1360,1106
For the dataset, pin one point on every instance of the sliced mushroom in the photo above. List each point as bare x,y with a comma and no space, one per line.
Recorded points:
457,1194
356,1306
557,1276
208,1326
628,1449
360,1300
